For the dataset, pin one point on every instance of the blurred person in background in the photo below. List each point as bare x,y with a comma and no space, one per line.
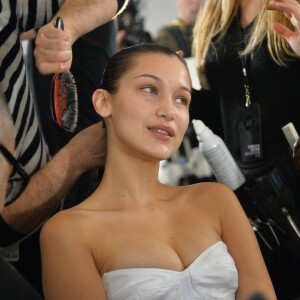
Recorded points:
131,26
179,33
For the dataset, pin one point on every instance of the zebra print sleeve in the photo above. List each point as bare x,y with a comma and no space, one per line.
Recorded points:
17,16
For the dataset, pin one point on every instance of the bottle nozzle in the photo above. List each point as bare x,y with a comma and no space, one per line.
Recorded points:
198,127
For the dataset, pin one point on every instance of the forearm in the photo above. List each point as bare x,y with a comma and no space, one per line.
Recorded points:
4,175
43,194
85,15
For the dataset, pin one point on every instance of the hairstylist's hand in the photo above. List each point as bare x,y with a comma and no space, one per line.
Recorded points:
53,49
88,148
291,9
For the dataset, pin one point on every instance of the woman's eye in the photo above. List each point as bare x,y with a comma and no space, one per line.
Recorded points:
149,89
181,100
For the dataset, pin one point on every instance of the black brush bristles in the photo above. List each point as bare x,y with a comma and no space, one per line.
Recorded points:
64,99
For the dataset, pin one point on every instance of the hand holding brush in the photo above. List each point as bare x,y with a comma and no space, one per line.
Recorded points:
64,99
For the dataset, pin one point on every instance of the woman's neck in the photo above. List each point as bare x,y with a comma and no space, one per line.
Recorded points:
129,181
249,10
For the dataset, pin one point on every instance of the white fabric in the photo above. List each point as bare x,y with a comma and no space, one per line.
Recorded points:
212,275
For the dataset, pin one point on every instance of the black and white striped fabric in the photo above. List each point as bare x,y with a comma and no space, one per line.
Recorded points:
17,16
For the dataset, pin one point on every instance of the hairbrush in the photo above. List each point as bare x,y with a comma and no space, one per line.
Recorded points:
64,99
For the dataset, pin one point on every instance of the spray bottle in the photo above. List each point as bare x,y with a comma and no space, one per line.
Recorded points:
222,164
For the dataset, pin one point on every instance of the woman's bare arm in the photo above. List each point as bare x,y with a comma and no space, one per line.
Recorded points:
240,239
68,268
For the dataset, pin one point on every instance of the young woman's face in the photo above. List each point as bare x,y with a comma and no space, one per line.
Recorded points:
150,110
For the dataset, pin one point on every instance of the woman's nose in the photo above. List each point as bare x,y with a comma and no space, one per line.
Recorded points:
166,110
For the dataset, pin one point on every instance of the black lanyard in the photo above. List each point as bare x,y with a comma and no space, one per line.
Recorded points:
248,114
242,46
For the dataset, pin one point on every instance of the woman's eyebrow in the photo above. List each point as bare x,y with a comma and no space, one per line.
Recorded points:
149,75
160,80
186,89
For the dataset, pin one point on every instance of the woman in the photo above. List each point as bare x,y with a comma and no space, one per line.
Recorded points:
135,238
247,54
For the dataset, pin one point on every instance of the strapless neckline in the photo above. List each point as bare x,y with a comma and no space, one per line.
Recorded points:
212,275
194,262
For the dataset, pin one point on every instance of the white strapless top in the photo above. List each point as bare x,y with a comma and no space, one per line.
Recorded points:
212,275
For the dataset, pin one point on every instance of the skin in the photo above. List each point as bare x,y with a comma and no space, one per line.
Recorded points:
7,140
152,223
4,175
249,10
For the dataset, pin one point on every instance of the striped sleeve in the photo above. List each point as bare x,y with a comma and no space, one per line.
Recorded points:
17,16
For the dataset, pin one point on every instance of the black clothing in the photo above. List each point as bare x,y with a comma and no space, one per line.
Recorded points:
275,88
13,286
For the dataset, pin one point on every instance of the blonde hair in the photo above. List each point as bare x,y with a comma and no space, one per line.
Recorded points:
214,20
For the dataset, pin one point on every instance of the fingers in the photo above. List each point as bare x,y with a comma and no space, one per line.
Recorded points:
49,62
180,53
288,7
283,30
53,50
291,9
29,35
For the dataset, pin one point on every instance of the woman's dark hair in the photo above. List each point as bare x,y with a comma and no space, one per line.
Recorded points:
122,61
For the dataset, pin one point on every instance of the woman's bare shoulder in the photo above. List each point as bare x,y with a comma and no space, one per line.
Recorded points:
207,195
60,224
208,187
212,191
80,221
66,225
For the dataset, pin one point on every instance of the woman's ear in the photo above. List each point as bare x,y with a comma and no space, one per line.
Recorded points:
101,100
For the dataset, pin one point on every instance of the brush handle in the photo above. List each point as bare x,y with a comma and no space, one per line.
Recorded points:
59,24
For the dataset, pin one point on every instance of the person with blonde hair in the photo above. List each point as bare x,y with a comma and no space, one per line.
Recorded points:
247,55
134,237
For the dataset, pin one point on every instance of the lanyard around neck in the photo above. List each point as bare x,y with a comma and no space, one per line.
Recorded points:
242,46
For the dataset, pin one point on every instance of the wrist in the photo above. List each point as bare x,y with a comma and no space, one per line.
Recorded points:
73,162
